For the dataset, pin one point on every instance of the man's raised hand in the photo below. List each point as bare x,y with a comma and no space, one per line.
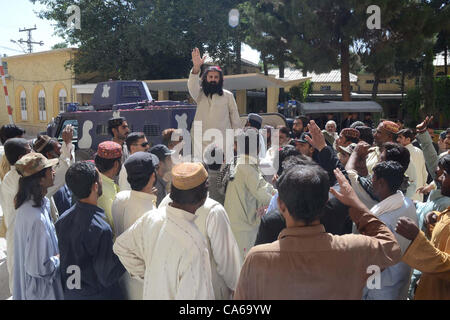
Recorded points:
421,127
197,60
346,194
317,139
67,134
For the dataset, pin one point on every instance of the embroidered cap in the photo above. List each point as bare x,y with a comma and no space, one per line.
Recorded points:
41,142
32,163
350,133
109,150
188,175
390,126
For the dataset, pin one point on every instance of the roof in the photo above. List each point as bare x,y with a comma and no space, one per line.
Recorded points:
439,59
40,53
233,82
340,106
295,74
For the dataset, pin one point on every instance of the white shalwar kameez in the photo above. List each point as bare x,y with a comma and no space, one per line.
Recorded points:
167,250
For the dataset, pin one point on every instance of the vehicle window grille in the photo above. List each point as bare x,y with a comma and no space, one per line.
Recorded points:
101,130
152,130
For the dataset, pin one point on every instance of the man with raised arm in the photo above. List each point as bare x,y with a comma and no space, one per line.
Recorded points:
216,107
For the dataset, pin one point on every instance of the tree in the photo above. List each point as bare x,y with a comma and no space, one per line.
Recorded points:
59,45
142,39
402,38
319,34
266,31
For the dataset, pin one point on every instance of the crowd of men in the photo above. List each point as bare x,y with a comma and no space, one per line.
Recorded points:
359,214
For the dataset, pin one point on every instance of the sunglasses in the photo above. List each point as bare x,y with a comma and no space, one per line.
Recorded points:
143,144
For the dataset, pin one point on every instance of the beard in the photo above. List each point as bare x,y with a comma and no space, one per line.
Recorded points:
210,88
296,134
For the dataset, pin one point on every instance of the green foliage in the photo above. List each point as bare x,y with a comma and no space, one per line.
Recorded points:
146,39
302,91
414,102
59,45
442,89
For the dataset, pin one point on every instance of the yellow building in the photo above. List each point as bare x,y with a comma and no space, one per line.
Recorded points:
387,85
39,85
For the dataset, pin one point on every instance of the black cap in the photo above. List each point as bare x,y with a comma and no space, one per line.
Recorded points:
161,151
141,163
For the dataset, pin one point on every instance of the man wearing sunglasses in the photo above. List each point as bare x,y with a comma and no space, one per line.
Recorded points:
135,142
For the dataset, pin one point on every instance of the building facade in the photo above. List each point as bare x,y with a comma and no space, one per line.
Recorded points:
39,86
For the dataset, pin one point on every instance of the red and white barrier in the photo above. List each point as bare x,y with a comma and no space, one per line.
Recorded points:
5,88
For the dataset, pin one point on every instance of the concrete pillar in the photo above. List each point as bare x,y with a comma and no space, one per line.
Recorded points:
241,101
272,99
163,95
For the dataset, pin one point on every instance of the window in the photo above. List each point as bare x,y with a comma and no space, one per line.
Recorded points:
74,124
383,81
131,92
396,81
325,88
23,105
370,81
41,105
62,100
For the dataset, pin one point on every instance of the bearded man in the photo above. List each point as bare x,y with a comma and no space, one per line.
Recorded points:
216,107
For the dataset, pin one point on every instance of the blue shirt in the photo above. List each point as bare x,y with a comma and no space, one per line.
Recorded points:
36,267
63,199
86,241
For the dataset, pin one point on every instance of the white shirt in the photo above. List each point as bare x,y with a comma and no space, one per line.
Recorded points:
127,208
418,161
123,180
66,159
8,189
166,249
216,112
212,221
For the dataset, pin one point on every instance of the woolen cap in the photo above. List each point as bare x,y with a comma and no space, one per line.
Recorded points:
188,175
32,163
255,120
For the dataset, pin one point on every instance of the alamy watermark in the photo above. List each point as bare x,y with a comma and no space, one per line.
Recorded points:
374,280
374,21
74,20
233,144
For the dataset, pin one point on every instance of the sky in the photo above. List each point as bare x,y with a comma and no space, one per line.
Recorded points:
20,14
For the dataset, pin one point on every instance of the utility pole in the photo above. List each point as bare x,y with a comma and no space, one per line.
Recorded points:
29,42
